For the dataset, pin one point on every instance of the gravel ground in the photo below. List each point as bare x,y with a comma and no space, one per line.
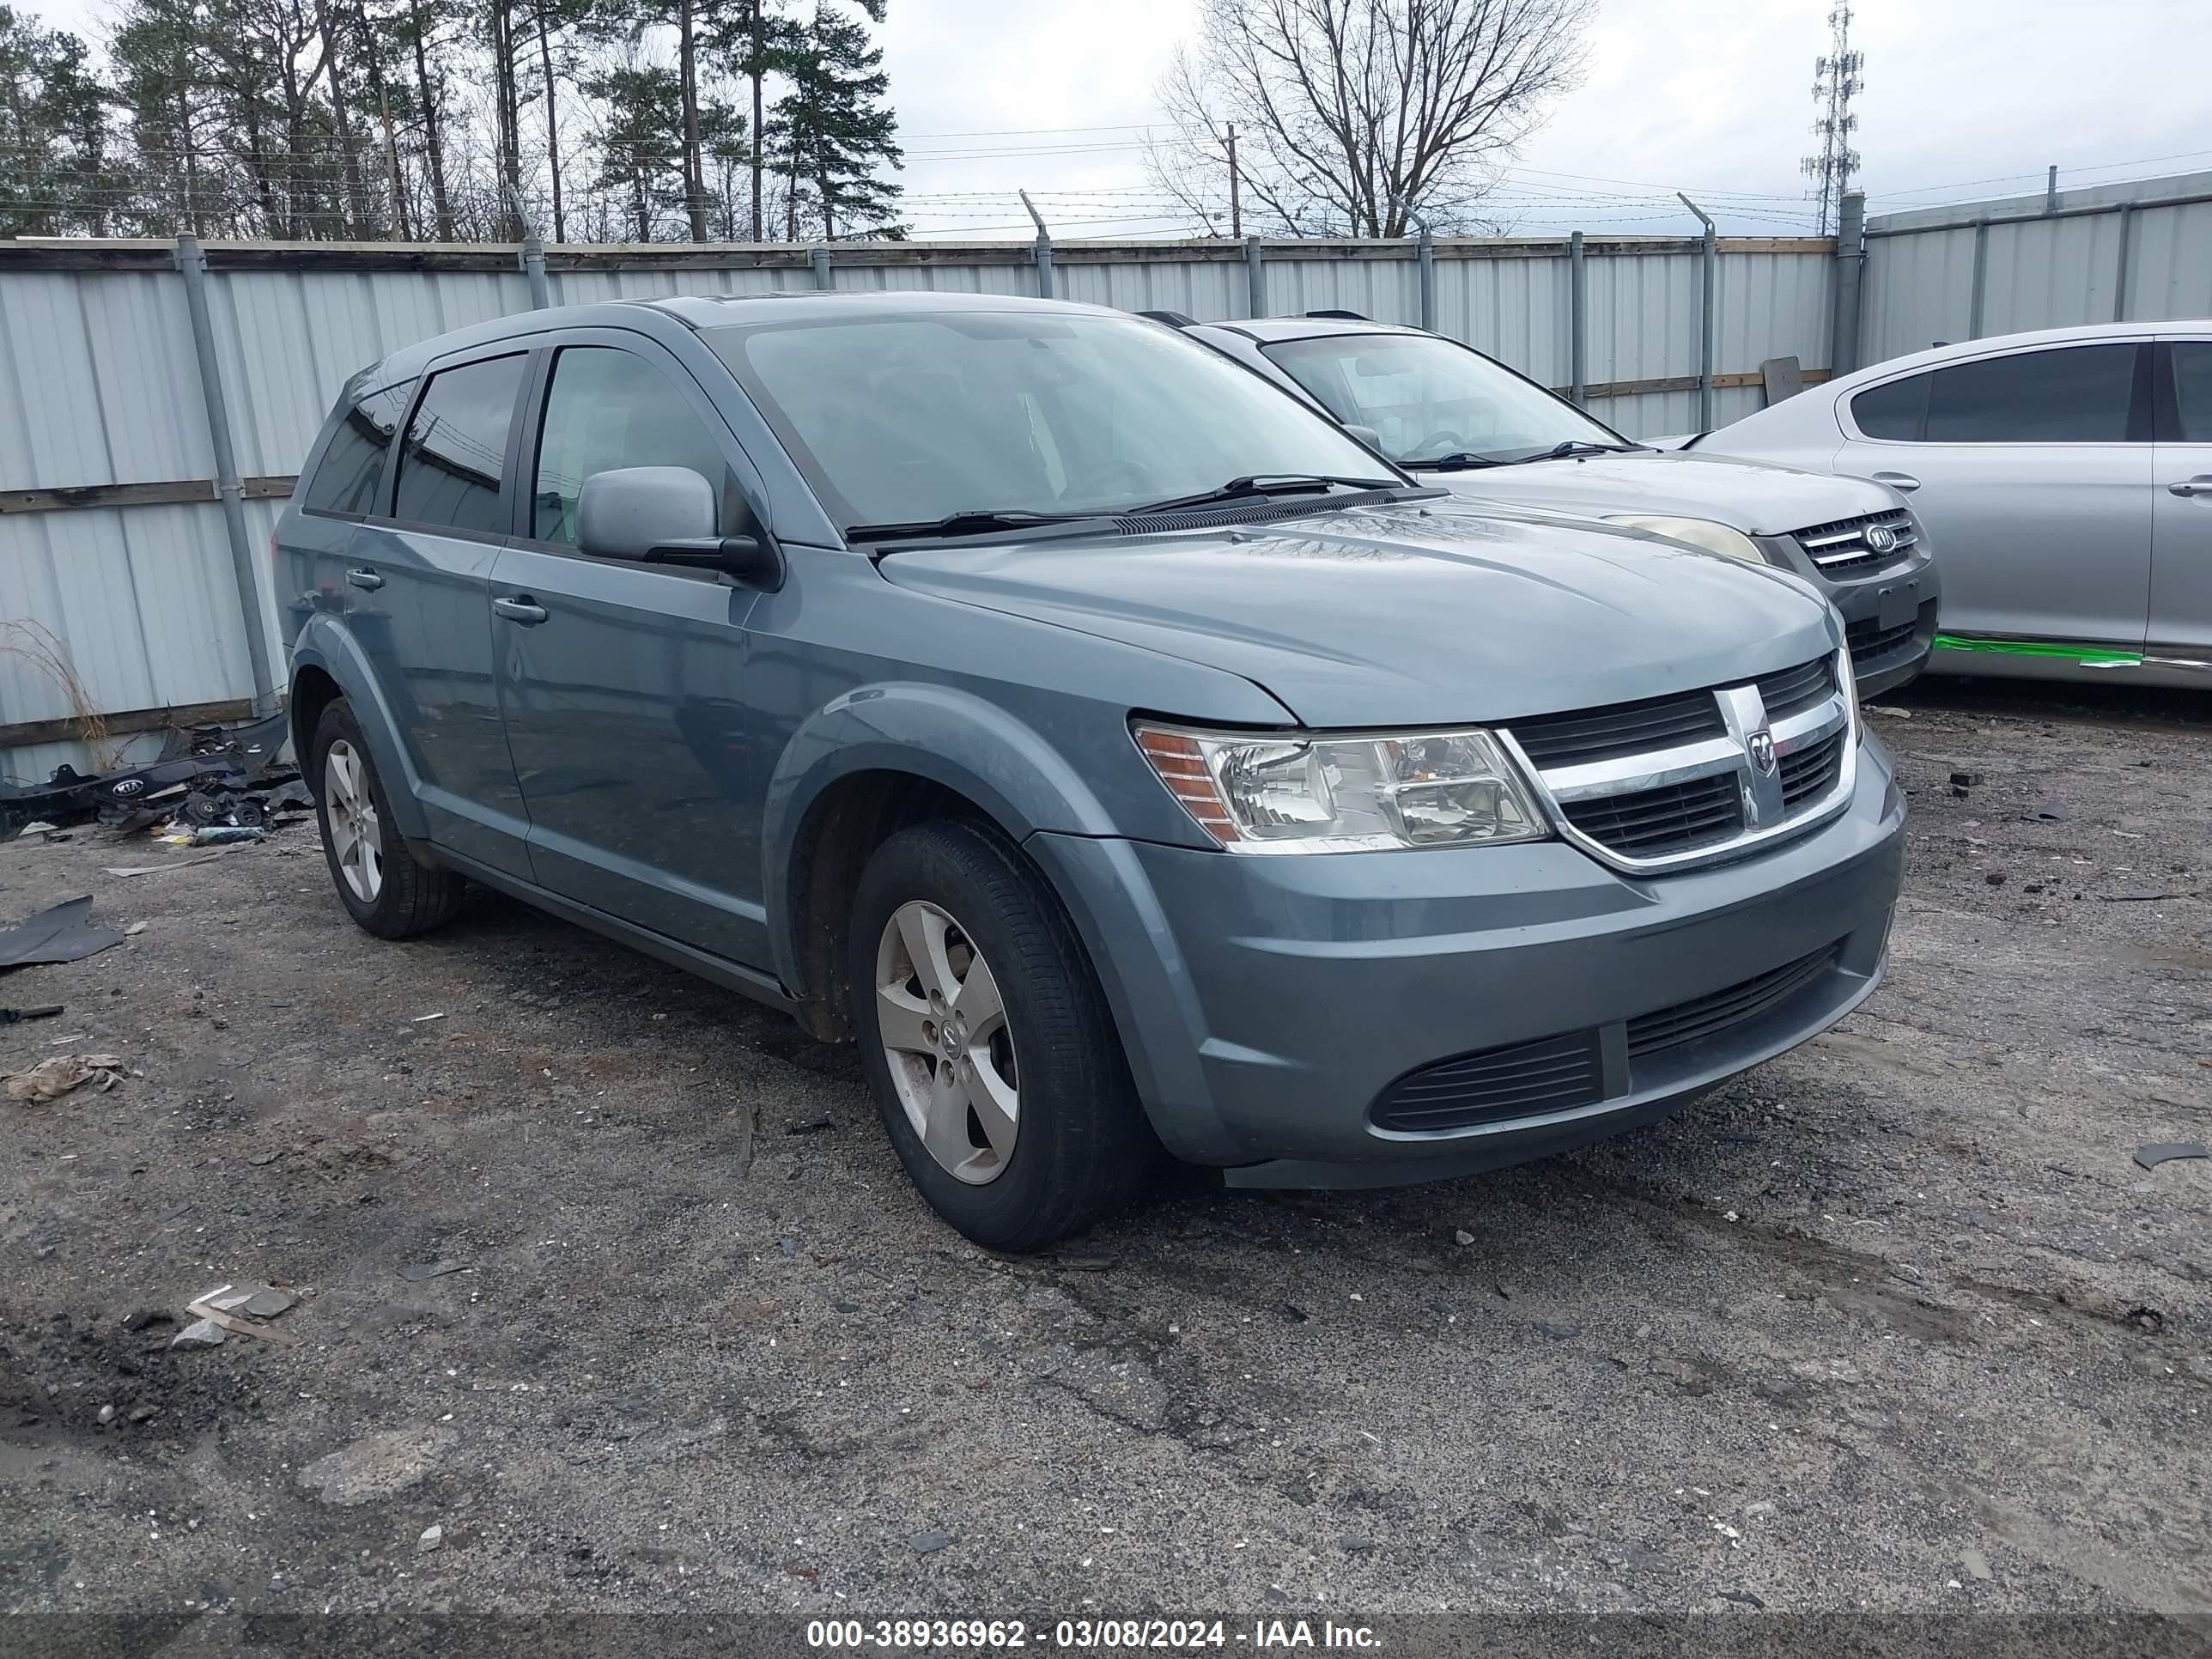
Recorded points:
1892,1323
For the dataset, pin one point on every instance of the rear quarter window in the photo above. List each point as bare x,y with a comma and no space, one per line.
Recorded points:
345,480
1896,411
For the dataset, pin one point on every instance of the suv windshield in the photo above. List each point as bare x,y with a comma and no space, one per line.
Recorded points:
1430,399
913,419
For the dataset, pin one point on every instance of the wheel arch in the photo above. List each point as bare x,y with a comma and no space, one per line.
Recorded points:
327,664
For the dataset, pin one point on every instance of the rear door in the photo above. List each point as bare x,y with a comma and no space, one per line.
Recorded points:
2031,471
622,683
2181,505
417,578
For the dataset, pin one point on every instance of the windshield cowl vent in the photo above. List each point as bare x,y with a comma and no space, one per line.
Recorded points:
1260,512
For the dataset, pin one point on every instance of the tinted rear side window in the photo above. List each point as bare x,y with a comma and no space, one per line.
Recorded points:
346,478
2192,389
1894,411
2073,395
454,459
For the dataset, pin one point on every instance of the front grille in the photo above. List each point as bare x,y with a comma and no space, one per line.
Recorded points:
1810,772
1550,1074
1681,777
1626,728
1675,817
1706,1016
1794,689
1869,641
1839,548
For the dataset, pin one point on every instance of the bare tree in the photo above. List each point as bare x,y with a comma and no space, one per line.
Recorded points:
1357,116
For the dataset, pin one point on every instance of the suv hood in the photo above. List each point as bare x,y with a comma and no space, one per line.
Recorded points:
1756,497
1394,616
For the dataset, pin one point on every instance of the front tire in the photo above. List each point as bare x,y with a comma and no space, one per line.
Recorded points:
988,1041
380,882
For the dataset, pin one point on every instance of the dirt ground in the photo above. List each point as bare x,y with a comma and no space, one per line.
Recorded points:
1893,1323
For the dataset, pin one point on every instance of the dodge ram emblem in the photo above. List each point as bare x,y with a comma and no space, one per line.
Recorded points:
1761,745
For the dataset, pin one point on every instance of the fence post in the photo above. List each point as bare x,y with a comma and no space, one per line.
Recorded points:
1043,248
191,265
1712,278
1255,279
1424,251
1577,319
2120,279
1981,279
1851,270
533,271
819,258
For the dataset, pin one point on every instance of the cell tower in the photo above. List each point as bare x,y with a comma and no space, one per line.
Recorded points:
1835,81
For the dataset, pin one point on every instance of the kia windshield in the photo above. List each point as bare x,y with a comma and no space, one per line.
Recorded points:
965,421
1433,404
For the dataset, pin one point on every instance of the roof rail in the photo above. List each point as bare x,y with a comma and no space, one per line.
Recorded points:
1172,318
1348,316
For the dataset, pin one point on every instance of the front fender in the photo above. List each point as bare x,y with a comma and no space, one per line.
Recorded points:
948,736
324,642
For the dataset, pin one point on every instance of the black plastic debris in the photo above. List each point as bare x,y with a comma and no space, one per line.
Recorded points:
2161,1152
200,776
14,1016
2046,811
64,933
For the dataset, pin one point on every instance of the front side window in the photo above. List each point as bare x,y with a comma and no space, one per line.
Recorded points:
454,457
914,418
345,480
1427,399
609,409
2192,389
2069,395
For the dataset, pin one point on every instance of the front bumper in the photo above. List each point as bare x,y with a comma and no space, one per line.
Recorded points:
1267,1003
1889,619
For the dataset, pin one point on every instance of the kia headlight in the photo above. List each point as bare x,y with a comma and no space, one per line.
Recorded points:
1296,792
1699,532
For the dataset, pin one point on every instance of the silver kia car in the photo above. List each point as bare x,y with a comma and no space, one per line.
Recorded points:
2067,474
1456,417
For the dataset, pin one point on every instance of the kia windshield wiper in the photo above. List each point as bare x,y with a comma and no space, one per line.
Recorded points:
1573,446
971,523
1264,483
1458,461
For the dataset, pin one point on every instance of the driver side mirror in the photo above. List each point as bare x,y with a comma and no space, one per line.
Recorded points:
668,516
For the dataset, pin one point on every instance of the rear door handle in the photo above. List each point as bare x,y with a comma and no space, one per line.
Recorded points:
366,578
2199,485
1903,481
520,609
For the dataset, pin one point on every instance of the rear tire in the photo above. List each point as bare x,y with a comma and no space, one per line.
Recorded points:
380,882
971,995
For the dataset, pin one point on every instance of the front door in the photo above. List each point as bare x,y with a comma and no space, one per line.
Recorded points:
418,583
2029,469
621,682
2181,509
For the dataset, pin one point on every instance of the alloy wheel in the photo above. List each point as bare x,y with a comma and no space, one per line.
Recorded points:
356,837
951,1051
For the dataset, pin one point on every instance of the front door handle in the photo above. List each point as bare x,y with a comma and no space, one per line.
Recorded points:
366,578
520,609
1903,481
2199,485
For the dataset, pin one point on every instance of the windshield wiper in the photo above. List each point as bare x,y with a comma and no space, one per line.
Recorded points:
1572,447
1263,483
971,523
1458,461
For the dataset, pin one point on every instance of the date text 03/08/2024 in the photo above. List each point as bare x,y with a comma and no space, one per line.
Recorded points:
1079,1635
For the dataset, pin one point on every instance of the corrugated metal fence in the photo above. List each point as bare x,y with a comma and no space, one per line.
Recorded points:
2138,251
114,539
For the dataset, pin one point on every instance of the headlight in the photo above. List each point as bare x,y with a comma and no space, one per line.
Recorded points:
1297,793
1850,682
1699,532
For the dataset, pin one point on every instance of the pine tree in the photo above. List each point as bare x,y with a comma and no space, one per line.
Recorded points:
53,133
641,144
833,130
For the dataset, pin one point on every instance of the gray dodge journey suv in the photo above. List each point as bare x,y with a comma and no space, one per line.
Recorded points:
1119,752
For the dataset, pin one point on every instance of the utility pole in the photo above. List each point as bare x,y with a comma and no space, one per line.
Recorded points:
1235,196
1835,82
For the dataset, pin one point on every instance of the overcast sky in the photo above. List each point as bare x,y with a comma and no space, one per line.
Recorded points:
1711,96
